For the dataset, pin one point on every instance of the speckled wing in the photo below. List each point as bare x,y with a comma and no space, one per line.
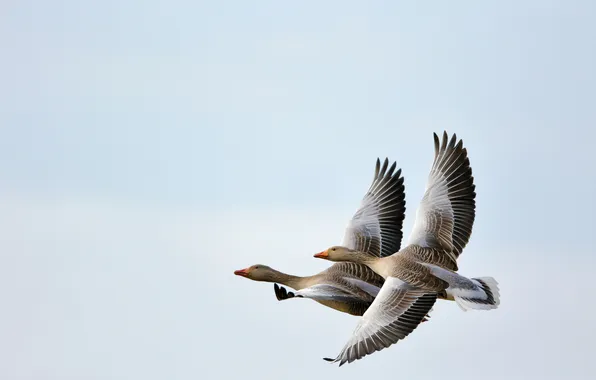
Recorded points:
376,228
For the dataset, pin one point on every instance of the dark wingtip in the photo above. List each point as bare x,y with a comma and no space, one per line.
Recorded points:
384,168
281,293
328,359
392,169
377,168
460,144
277,292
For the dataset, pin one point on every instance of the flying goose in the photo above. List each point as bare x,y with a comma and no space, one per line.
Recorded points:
376,228
425,269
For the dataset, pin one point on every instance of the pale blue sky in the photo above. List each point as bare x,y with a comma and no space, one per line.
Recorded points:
148,149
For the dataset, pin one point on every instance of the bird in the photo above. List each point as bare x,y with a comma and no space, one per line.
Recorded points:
426,268
348,287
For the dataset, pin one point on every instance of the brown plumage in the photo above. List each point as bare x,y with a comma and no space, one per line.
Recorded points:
424,270
376,228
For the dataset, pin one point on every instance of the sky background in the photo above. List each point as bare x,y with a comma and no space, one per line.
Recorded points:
148,149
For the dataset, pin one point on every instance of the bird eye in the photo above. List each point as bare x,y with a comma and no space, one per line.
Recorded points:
333,249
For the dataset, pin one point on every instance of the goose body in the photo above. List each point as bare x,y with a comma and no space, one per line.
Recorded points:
347,288
426,269
376,228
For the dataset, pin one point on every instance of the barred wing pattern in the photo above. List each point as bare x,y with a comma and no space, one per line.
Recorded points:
446,213
376,228
396,311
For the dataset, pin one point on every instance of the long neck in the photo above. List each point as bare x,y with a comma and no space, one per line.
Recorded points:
373,262
363,258
293,282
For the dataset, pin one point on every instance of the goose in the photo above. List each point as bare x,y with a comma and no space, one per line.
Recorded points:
426,268
375,228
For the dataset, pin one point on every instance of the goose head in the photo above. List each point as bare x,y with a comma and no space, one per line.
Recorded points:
339,253
257,272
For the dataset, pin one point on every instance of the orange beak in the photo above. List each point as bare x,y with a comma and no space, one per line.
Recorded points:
241,272
322,255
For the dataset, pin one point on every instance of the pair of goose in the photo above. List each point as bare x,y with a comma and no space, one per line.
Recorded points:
393,289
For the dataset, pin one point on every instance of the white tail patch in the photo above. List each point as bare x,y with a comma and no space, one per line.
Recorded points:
485,296
481,293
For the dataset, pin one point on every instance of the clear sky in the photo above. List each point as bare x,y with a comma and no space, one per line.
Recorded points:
149,148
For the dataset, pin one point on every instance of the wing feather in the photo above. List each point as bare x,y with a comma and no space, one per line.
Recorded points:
447,211
396,311
376,227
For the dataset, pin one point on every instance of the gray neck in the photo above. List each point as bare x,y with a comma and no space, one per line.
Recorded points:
293,282
363,258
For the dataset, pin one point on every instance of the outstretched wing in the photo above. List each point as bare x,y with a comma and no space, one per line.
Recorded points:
331,296
446,213
396,311
376,227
